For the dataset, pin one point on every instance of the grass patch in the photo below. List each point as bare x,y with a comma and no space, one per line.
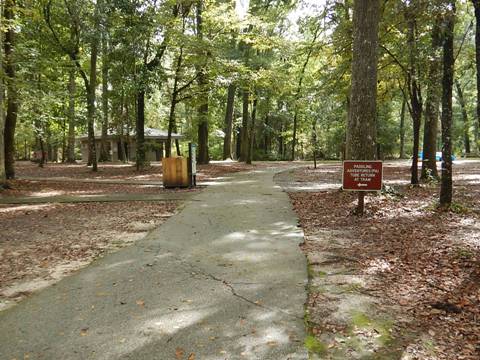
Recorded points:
315,346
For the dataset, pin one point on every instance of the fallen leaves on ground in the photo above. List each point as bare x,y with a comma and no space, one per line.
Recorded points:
36,239
424,261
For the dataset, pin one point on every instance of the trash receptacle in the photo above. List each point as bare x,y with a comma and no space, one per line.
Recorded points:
175,172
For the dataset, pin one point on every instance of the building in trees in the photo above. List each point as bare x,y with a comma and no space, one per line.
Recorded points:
123,147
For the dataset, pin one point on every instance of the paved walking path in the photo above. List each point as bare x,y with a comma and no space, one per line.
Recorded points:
223,279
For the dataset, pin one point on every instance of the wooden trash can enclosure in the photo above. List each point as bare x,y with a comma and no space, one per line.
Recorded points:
175,172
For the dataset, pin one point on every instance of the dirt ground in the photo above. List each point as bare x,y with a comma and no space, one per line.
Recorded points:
419,264
40,244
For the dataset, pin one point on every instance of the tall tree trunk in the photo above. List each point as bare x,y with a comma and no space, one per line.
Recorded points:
171,118
3,175
251,135
12,95
294,140
104,153
227,142
140,131
361,129
466,122
266,135
244,129
476,5
402,129
71,116
314,142
238,143
415,93
429,161
446,190
299,90
91,93
203,156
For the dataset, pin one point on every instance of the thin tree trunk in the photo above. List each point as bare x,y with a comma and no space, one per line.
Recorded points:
476,5
140,131
299,89
266,137
475,137
466,122
415,94
12,95
43,153
244,129
104,153
227,142
402,129
446,190
3,176
314,141
238,143
203,156
429,162
294,140
173,104
251,135
71,116
91,94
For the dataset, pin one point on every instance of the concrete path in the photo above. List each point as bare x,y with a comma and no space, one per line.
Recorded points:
96,198
223,279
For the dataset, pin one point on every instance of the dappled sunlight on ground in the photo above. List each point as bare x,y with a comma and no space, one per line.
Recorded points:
18,208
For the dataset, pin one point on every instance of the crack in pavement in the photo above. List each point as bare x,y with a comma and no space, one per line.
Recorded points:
194,270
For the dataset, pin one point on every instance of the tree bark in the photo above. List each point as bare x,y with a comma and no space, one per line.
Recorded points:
140,131
476,5
12,95
446,190
104,153
251,135
402,129
429,161
266,135
314,142
171,118
361,129
203,156
466,122
244,129
3,175
415,94
71,116
91,97
227,142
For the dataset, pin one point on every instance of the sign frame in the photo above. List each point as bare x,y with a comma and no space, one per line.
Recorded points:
362,161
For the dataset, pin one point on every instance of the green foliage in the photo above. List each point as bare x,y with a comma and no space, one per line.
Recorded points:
300,67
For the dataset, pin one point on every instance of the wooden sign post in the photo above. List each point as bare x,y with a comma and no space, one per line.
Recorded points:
362,176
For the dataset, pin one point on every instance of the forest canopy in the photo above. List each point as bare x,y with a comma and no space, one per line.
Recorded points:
247,80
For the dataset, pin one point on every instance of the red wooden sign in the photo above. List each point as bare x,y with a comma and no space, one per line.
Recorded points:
362,175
